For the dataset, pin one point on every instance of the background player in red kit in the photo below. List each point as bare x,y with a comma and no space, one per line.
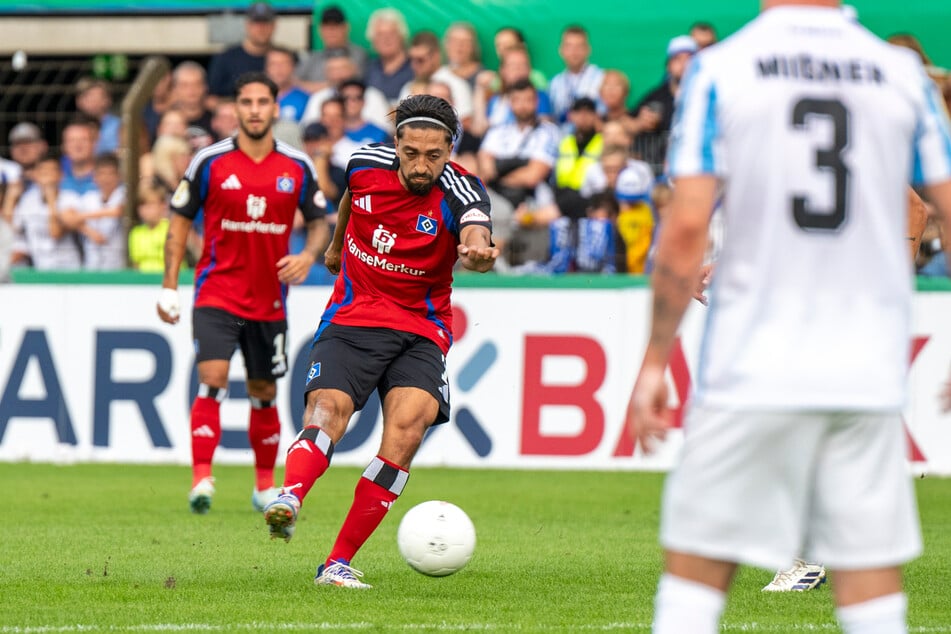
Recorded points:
248,188
408,214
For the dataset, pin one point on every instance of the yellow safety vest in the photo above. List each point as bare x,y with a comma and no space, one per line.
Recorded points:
572,165
147,247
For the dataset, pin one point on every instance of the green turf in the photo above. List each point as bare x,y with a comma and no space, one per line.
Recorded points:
91,548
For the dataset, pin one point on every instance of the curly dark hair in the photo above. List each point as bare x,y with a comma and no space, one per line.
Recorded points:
430,107
254,77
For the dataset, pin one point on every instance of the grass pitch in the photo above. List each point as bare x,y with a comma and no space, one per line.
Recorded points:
109,548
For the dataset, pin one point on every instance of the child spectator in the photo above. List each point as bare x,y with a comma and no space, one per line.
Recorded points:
635,221
43,241
97,216
595,251
147,239
585,245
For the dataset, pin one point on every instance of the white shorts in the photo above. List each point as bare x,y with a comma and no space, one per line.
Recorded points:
762,488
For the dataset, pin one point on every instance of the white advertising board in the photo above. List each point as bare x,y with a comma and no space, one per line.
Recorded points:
539,378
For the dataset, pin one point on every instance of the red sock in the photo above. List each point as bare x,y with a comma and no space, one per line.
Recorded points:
206,431
264,432
381,484
307,459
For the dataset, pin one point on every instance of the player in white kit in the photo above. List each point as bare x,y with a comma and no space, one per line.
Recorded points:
793,441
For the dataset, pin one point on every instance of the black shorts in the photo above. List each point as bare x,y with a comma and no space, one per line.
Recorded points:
359,360
217,333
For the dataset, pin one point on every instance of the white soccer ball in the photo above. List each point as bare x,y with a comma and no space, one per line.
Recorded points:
436,538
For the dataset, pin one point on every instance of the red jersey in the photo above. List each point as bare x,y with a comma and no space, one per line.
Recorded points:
248,213
399,248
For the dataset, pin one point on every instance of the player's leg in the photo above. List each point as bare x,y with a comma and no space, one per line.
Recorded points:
415,396
346,364
870,601
739,495
264,435
407,414
866,521
216,335
263,345
691,594
308,458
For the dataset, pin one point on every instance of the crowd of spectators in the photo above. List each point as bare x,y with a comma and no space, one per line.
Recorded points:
575,172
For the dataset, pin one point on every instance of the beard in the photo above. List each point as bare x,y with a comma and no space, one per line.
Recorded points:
255,136
419,187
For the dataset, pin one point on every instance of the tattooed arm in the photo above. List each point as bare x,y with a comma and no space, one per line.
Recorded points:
681,244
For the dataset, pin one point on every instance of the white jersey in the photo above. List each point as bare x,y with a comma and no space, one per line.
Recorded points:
31,222
111,255
816,127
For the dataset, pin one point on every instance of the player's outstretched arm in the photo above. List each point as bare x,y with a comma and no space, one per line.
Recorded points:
168,306
475,249
332,256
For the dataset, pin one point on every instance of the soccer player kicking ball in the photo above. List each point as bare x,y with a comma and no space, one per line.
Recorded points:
795,444
408,214
249,188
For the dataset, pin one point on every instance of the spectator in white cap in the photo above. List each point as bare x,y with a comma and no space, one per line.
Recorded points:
651,117
636,220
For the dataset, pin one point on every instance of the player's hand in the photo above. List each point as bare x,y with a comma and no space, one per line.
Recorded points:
168,307
706,273
293,268
332,259
480,259
648,417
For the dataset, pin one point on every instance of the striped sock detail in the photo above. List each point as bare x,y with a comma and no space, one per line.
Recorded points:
386,475
217,393
257,403
320,439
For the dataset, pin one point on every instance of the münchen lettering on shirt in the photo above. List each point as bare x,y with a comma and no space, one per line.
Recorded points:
805,67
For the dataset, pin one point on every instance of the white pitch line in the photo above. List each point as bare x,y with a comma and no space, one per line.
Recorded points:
409,627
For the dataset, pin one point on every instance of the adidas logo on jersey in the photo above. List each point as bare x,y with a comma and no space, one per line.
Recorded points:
203,432
231,182
273,439
363,202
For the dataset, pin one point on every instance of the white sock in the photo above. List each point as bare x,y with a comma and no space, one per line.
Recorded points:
882,615
687,606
